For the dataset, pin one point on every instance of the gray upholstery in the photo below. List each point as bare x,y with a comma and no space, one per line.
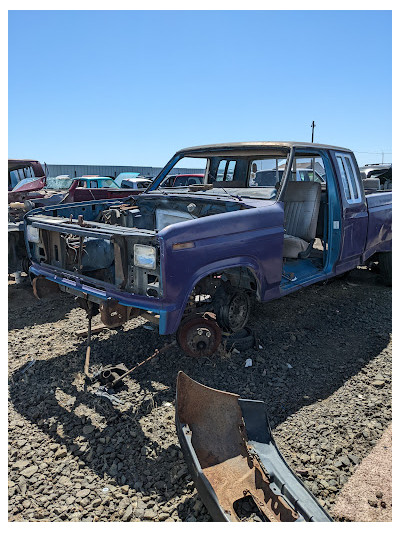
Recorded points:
301,204
292,246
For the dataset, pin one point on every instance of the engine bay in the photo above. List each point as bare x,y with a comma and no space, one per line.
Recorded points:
156,212
115,242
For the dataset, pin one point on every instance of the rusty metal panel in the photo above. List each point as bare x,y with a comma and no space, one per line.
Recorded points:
230,471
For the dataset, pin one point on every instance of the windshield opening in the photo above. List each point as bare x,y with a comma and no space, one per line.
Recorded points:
237,172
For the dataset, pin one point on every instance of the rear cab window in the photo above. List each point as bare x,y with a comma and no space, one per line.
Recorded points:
226,170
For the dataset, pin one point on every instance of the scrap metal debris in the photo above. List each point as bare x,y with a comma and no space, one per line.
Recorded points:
104,392
27,366
156,352
112,375
94,331
234,461
89,335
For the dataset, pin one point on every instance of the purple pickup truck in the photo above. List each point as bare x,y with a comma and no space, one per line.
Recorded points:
194,258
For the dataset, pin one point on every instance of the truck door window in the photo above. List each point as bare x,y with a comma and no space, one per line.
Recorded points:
308,169
348,175
266,172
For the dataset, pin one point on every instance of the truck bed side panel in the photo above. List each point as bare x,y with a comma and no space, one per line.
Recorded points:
379,236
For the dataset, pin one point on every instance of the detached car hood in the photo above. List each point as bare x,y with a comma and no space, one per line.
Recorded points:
234,461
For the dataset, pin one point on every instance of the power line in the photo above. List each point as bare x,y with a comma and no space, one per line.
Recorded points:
374,153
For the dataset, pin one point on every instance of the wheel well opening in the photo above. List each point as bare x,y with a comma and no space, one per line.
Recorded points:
228,293
236,277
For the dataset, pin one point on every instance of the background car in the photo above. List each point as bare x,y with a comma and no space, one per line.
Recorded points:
377,176
135,183
268,178
183,180
97,182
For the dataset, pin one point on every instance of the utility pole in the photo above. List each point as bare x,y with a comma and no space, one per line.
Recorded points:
313,159
312,134
383,157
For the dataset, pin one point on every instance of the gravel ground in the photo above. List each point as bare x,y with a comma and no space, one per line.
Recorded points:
367,497
324,370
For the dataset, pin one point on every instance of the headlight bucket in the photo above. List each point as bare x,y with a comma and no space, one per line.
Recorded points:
33,234
145,256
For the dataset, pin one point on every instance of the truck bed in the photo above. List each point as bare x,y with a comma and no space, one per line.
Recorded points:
379,236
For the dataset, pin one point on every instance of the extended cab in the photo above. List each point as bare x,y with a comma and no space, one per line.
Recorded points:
194,257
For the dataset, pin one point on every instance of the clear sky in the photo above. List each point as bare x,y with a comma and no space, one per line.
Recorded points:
132,87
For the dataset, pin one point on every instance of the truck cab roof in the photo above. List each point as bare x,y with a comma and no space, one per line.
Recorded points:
256,146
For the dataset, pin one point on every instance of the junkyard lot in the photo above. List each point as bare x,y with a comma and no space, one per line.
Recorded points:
67,445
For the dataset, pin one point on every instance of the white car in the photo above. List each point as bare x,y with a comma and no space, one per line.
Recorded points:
135,183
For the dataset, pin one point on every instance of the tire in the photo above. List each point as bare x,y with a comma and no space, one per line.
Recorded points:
385,267
25,265
232,308
241,340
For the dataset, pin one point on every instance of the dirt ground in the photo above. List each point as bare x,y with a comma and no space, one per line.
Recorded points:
323,366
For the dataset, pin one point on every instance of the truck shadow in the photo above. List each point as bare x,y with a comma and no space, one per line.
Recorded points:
326,334
109,439
24,310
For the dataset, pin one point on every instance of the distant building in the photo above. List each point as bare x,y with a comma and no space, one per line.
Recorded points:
109,170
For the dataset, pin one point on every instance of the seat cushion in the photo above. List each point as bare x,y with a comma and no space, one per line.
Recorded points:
292,246
301,203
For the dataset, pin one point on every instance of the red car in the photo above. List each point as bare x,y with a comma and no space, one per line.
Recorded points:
24,175
183,180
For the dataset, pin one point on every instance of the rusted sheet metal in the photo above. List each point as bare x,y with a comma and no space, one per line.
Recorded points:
228,468
113,314
43,287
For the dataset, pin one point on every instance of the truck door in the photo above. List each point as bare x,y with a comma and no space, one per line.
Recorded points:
354,209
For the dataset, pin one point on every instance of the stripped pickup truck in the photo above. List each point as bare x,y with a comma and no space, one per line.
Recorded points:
195,257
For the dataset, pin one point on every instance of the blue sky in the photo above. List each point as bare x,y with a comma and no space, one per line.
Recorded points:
132,87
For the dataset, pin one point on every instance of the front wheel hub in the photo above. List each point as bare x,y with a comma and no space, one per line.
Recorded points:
199,335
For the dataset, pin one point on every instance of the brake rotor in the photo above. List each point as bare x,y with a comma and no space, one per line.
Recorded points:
199,335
